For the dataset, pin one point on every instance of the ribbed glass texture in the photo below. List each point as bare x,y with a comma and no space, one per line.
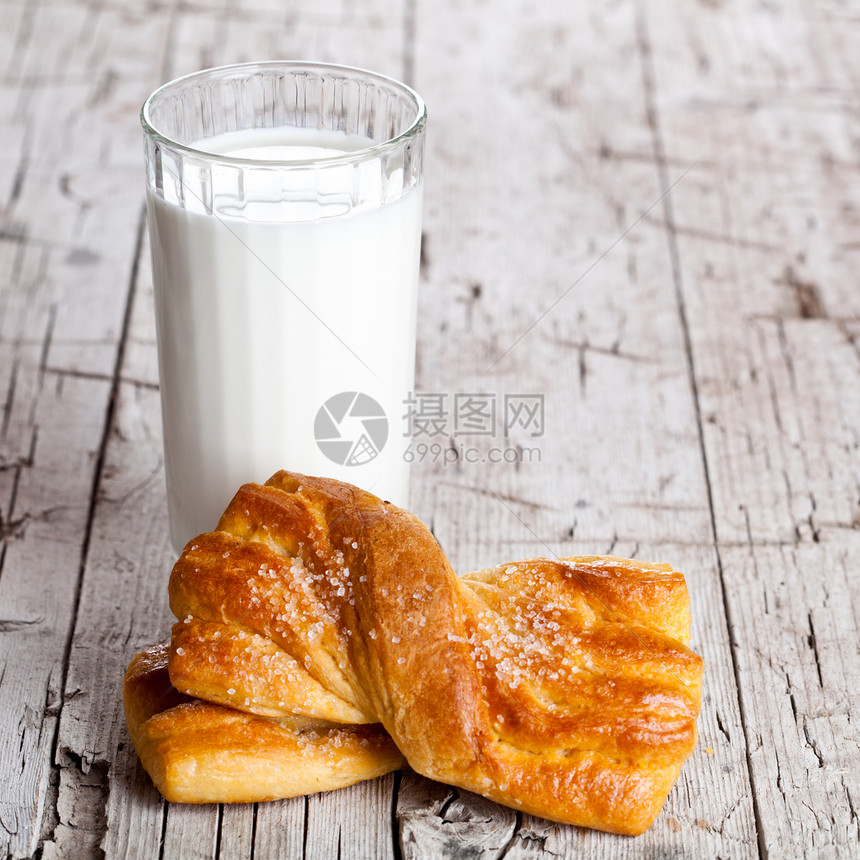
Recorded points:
327,98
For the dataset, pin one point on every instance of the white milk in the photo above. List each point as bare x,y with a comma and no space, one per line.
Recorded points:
259,323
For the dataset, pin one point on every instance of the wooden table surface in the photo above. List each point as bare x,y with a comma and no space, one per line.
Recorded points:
645,216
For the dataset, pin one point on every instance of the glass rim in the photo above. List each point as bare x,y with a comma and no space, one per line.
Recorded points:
357,155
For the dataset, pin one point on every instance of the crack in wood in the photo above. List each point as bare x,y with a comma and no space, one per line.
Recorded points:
511,842
218,825
253,846
643,45
18,182
813,644
162,842
306,808
852,808
71,373
582,367
721,726
811,742
8,625
10,398
395,821
787,357
707,236
453,795
806,295
80,820
15,529
46,342
791,698
529,841
10,529
424,258
770,382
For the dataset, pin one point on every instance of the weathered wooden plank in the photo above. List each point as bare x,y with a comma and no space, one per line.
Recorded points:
123,610
69,232
238,822
546,273
134,810
438,821
532,288
281,828
766,263
191,832
46,523
353,822
621,463
123,597
799,670
49,442
759,259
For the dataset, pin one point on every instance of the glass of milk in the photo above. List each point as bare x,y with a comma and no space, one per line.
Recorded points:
284,210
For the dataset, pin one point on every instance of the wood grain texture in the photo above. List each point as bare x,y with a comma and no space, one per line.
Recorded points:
646,213
123,602
590,322
765,261
68,236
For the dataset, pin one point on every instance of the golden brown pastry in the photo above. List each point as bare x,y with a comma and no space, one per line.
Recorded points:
562,688
197,752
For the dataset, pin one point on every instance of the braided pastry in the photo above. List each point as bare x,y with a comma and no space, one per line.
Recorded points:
198,752
562,688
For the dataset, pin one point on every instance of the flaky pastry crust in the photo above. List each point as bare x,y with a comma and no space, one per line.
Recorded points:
564,688
198,752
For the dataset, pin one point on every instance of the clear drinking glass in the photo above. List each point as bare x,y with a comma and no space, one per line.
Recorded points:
284,209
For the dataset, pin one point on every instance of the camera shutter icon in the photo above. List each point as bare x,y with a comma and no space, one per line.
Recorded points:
351,428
